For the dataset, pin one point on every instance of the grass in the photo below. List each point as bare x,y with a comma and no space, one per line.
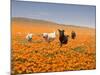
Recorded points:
21,60
23,42
49,55
80,49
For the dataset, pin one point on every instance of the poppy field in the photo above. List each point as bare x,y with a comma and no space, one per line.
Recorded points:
40,56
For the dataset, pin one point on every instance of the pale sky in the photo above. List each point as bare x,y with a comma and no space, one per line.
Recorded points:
82,15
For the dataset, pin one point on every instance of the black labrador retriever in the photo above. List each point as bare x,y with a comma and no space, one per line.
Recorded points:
62,38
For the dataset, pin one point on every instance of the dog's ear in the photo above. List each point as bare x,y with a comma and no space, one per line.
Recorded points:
63,30
59,30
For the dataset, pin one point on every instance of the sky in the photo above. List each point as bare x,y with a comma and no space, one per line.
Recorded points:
69,14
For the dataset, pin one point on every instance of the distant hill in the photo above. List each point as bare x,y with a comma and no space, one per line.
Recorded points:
28,21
